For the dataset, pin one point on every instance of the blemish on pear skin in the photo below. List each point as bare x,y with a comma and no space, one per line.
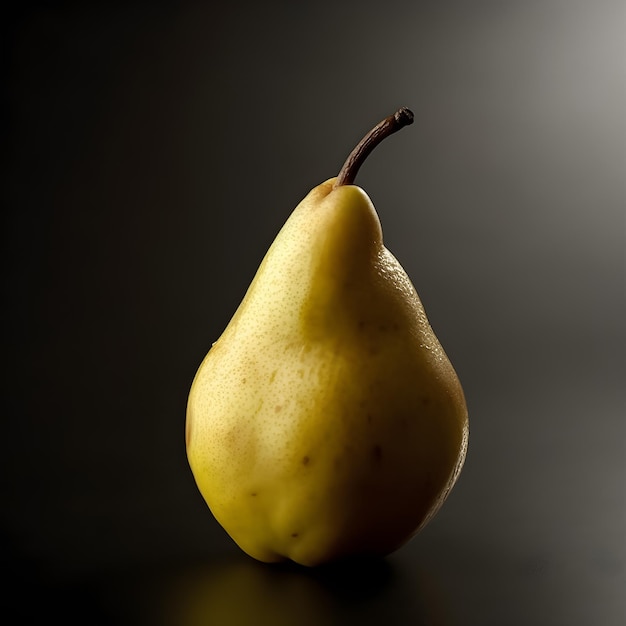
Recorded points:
377,453
254,494
278,408
273,376
294,534
305,460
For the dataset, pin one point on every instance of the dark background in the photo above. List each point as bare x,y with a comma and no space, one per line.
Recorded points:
151,153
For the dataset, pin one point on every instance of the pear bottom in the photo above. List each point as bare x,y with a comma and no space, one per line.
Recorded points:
319,473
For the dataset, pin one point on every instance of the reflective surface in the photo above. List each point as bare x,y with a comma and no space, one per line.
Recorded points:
152,153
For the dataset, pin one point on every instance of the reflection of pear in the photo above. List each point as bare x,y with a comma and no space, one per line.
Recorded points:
327,420
239,591
242,593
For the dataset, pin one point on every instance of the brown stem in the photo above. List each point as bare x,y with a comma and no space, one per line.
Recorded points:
402,117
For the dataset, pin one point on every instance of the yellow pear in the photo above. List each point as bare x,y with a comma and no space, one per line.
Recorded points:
327,421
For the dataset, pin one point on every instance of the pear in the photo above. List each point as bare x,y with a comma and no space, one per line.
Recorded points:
327,421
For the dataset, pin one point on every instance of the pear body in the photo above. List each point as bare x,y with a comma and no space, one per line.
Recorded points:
327,420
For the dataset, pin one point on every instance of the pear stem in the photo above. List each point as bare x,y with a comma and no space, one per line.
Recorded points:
401,118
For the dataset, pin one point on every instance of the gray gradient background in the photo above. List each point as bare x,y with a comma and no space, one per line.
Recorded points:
152,153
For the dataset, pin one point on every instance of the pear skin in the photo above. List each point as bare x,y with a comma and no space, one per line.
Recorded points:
327,420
